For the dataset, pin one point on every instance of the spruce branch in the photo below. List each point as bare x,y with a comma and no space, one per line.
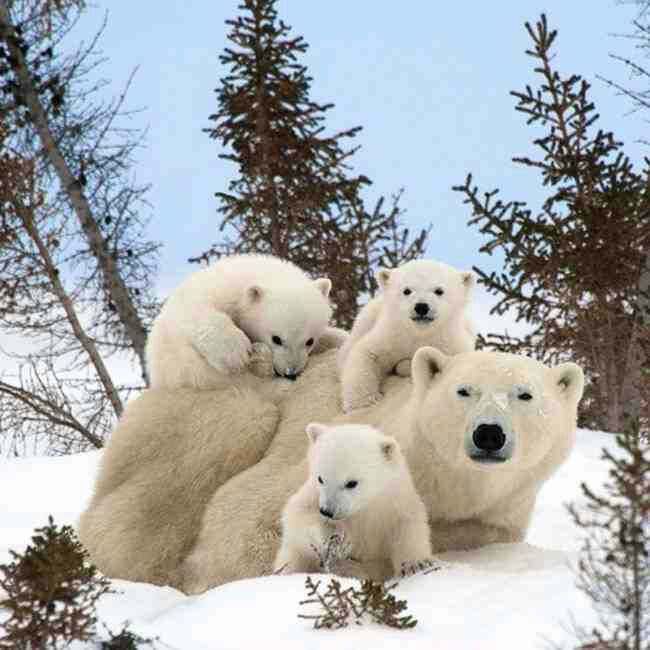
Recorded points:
370,599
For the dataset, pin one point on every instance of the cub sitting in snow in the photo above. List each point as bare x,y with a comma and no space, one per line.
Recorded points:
421,303
208,326
360,494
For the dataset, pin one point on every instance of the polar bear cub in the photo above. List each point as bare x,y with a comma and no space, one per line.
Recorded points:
360,491
208,325
421,303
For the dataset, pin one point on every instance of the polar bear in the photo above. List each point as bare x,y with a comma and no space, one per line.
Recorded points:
481,433
211,324
359,491
421,303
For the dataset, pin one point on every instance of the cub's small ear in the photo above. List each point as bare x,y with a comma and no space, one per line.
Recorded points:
388,447
570,379
254,293
468,278
314,431
426,365
324,285
382,277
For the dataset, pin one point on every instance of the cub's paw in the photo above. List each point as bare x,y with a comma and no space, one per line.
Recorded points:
359,402
261,360
237,352
403,368
332,338
426,565
334,549
350,568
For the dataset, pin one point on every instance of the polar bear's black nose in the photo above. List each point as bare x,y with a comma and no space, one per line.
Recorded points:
489,437
421,308
326,513
291,375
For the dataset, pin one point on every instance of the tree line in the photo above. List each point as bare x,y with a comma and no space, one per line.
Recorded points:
77,269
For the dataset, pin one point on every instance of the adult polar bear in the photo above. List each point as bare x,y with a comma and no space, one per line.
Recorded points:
193,499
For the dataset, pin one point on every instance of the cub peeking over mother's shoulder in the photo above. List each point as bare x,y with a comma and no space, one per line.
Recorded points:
208,325
421,303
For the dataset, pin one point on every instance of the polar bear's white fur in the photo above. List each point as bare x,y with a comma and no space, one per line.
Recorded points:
192,483
421,303
208,325
360,492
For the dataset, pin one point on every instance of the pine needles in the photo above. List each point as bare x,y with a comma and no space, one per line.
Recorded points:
51,595
371,600
51,592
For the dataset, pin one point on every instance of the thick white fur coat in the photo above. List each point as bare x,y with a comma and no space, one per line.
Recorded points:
420,303
207,327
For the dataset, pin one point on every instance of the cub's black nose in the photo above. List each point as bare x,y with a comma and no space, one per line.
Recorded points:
421,308
291,375
326,513
489,437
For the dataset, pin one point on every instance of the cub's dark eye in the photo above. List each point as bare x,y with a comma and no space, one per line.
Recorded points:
463,392
525,396
309,342
320,480
277,340
407,292
439,292
350,485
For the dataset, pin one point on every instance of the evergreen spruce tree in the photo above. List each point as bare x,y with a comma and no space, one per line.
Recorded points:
51,592
578,270
614,568
294,196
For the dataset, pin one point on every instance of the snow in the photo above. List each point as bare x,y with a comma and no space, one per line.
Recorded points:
501,596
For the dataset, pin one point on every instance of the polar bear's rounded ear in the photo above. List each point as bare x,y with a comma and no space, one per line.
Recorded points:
324,285
570,379
314,431
254,293
427,363
468,279
382,276
388,447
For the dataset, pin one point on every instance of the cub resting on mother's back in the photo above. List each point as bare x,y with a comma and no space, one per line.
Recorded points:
209,326
421,303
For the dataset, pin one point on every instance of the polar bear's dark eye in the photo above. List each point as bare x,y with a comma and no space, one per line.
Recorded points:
350,485
525,396
309,342
439,291
320,480
463,392
407,292
277,340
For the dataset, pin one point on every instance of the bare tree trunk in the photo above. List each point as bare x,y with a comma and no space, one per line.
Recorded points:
72,188
636,357
612,389
637,601
49,410
87,343
262,126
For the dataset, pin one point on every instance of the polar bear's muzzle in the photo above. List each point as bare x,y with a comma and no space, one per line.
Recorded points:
489,440
422,312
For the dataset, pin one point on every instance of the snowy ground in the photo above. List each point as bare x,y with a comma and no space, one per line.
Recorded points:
503,596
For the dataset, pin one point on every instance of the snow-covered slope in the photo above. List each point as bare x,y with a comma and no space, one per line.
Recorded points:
502,596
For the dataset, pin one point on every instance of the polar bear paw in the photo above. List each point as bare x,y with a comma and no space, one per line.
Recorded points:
360,402
236,352
335,549
426,565
261,360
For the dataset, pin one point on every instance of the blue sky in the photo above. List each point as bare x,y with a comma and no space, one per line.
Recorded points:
428,81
